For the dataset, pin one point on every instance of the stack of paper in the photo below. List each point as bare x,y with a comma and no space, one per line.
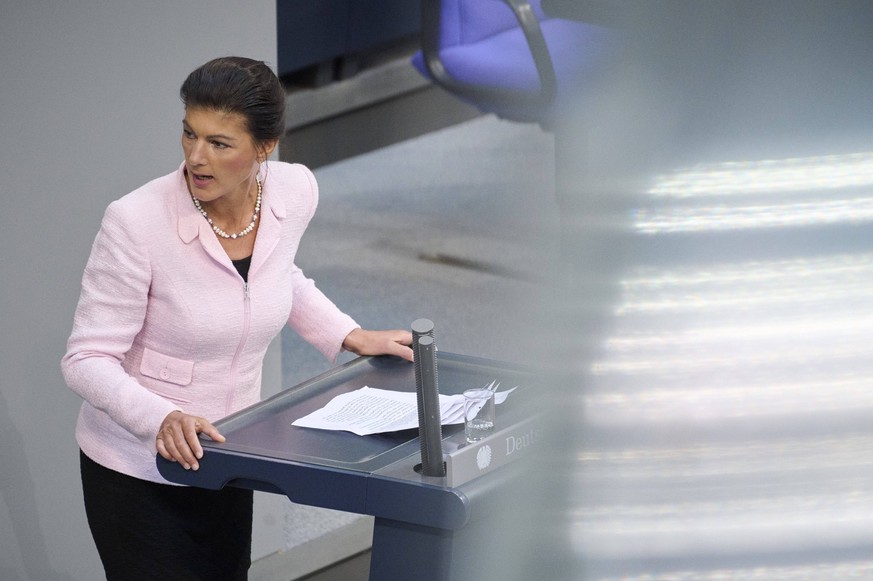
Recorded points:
374,411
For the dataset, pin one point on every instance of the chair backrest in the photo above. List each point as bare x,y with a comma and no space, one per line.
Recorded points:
506,56
469,21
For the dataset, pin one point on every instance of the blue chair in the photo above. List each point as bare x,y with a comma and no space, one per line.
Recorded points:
508,57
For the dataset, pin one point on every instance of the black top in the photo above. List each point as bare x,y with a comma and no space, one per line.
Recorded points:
242,266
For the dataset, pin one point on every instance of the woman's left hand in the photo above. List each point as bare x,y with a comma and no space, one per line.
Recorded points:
395,342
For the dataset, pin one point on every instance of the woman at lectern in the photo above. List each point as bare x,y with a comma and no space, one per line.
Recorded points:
190,278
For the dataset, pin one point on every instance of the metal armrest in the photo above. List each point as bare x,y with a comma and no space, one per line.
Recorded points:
524,14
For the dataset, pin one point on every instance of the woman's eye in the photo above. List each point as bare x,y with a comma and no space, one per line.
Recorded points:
188,134
219,145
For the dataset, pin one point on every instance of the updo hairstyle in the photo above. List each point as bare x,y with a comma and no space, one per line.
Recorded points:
243,86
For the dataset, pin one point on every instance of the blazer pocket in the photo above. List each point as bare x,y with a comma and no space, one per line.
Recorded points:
166,368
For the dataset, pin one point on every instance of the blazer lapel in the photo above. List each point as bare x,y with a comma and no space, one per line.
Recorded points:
191,225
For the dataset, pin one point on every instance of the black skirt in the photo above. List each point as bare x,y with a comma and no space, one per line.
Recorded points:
149,531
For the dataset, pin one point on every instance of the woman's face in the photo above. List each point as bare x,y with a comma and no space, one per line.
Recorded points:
220,155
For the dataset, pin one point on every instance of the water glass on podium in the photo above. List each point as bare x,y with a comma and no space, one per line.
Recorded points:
478,414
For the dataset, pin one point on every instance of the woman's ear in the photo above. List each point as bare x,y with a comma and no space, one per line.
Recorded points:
267,149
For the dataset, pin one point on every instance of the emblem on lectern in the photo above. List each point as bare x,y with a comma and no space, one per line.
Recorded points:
483,457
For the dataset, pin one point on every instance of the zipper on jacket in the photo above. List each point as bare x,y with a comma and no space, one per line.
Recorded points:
247,313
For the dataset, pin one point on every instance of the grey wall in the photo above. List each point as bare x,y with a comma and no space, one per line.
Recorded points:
88,111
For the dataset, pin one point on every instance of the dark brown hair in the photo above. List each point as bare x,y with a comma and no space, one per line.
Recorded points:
239,85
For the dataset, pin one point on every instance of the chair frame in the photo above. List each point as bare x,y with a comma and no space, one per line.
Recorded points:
488,96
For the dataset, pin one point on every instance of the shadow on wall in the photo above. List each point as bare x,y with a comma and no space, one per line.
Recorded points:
17,494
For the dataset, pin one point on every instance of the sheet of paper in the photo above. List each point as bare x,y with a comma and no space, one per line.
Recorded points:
373,411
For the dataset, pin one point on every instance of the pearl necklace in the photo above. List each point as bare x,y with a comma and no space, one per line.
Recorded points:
247,229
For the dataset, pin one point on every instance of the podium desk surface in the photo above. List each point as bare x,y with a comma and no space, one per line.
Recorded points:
364,474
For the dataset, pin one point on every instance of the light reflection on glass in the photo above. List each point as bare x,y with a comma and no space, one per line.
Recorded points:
722,459
768,177
792,192
753,526
816,571
757,400
852,210
826,281
729,416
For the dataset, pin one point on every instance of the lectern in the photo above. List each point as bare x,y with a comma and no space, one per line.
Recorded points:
425,527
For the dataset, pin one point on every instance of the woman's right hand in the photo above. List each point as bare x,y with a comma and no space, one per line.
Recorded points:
177,439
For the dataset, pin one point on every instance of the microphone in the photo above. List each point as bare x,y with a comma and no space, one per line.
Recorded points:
430,430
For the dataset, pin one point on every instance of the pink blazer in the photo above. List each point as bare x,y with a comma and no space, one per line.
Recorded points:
165,322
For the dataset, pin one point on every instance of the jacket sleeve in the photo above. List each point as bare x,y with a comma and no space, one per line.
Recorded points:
110,313
314,316
317,319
